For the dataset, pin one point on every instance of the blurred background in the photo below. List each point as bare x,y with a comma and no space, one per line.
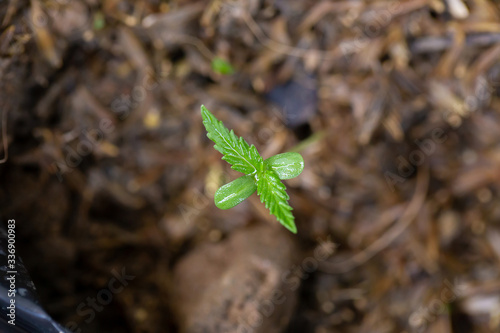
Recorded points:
394,106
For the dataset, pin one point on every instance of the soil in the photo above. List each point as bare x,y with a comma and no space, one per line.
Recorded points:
395,107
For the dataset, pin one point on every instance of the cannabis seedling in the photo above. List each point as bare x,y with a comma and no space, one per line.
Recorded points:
263,176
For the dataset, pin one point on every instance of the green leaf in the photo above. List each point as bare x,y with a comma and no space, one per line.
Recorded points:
236,151
272,192
99,21
235,192
286,165
221,66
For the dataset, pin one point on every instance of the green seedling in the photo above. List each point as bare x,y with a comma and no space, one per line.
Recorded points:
221,66
263,176
99,21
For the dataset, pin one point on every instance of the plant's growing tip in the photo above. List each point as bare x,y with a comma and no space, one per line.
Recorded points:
263,176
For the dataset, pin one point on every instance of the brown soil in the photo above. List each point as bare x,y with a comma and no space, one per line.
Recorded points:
393,105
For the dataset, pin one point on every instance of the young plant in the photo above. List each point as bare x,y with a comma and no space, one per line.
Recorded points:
263,176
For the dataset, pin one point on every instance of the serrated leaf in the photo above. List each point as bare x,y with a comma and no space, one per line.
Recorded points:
272,192
286,165
235,192
236,151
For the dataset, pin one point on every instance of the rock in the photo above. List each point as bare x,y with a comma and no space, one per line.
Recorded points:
296,99
243,286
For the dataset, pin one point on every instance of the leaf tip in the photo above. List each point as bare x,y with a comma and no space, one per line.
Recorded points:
204,111
291,227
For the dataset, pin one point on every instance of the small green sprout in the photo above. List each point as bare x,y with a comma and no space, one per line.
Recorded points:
263,176
221,66
99,21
